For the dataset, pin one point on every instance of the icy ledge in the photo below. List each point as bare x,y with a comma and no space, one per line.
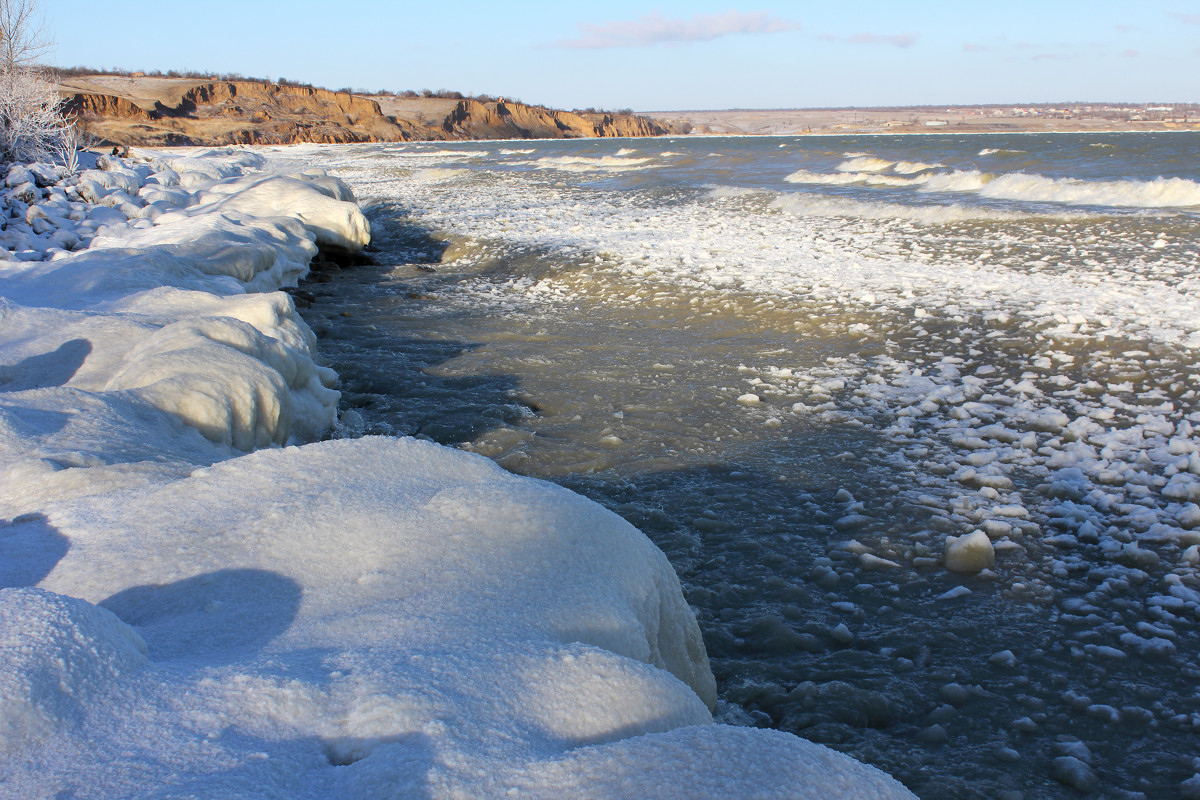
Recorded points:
377,617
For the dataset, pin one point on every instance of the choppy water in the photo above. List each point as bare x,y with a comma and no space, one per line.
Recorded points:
800,364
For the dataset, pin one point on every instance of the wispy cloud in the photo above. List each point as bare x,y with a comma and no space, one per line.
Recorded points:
1130,53
897,39
1186,19
894,39
654,29
971,47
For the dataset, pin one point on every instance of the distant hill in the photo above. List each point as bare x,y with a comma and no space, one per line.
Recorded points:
144,110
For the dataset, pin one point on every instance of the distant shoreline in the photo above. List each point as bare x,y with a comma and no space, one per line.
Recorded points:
851,121
826,133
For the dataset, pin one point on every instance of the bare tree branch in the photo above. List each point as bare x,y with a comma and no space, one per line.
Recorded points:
23,36
32,126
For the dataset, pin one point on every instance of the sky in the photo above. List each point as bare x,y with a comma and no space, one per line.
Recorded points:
666,55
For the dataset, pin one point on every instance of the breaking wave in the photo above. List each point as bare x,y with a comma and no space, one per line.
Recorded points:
867,163
598,164
970,180
445,153
846,178
1019,186
864,164
1158,193
911,167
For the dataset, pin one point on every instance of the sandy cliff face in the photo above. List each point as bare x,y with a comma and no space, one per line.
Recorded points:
235,112
629,125
473,120
104,105
133,111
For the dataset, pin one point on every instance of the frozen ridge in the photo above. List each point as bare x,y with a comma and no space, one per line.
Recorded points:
196,603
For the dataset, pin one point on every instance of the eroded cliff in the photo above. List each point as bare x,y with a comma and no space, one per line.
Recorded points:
159,111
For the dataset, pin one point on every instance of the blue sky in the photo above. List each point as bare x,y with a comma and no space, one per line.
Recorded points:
666,55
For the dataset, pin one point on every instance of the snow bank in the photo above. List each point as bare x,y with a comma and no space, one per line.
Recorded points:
341,619
177,313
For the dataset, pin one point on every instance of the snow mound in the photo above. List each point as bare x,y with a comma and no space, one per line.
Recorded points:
709,762
318,203
391,607
232,383
56,655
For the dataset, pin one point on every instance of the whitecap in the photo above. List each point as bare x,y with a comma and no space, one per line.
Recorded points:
845,178
446,153
956,181
864,164
1157,193
911,167
588,164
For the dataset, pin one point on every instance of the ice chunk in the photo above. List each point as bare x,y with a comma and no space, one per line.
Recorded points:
970,553
842,634
870,561
1004,658
1073,772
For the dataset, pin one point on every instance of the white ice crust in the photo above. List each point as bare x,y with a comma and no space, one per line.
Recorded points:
194,602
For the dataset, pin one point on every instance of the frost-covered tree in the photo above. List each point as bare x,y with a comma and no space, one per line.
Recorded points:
32,127
23,38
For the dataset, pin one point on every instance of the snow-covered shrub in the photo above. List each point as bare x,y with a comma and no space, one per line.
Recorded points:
32,127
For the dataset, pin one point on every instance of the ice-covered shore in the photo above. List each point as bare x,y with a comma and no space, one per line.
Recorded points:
196,603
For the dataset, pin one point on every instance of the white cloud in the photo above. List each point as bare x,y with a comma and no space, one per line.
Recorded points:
1187,19
654,28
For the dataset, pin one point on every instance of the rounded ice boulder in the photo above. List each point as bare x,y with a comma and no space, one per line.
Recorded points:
970,553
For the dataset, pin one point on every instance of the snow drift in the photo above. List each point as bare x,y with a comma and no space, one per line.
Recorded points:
182,617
